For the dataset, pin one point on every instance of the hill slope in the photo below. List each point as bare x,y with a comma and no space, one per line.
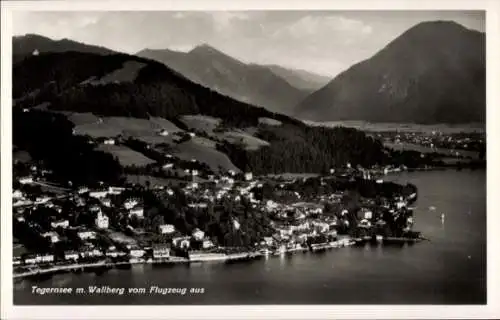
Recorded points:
432,73
301,79
73,81
250,83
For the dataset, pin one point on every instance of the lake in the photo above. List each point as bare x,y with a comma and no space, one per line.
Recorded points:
449,269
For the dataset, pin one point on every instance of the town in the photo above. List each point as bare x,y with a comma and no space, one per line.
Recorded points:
228,217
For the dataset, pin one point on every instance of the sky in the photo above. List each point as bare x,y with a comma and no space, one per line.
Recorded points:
324,42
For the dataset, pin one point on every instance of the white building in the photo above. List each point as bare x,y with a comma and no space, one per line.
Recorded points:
137,211
87,234
207,244
17,194
106,202
248,176
166,228
130,203
83,190
71,255
164,133
181,242
368,215
26,180
168,166
109,141
136,253
98,194
161,252
102,221
198,234
60,224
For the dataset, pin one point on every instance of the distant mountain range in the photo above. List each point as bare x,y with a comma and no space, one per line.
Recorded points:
432,73
274,88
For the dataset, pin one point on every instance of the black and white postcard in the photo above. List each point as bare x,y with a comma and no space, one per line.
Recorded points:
248,157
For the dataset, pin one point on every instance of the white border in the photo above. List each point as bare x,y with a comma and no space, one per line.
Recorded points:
253,312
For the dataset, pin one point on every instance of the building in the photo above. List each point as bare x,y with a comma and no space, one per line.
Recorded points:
83,190
166,228
98,194
137,211
137,252
52,235
163,133
60,224
161,252
102,221
198,234
130,203
71,255
207,244
17,194
86,235
26,180
109,141
168,166
248,176
181,242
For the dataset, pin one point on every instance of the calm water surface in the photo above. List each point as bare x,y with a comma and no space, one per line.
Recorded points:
450,269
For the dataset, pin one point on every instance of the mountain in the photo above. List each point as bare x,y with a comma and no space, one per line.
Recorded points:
125,86
301,79
433,73
23,46
214,69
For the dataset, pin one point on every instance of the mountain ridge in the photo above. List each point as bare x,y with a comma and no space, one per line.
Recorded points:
418,77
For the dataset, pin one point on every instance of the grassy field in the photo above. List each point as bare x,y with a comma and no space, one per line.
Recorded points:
241,137
88,124
127,73
197,149
269,122
125,155
201,123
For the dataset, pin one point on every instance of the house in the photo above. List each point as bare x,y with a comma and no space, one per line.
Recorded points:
36,52
248,176
161,251
137,211
198,234
236,224
106,202
163,133
268,240
71,255
168,166
98,194
102,221
207,244
192,134
166,228
52,235
46,258
130,203
31,259
109,141
17,194
115,190
16,261
90,251
181,242
86,235
26,180
137,252
60,224
83,190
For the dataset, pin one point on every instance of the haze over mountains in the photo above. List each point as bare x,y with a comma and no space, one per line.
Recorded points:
251,83
432,73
